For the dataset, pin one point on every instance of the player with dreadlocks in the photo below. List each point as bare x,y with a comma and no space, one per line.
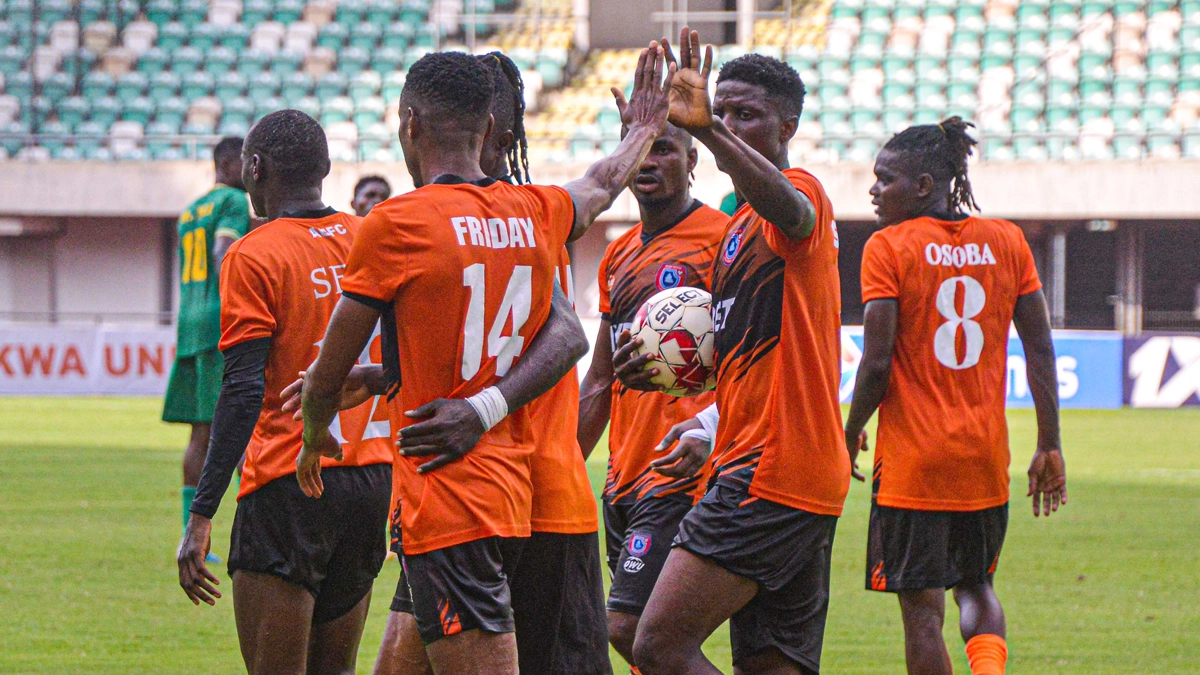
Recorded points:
467,255
506,152
941,288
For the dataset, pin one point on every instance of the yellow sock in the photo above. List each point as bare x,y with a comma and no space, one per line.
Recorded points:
987,654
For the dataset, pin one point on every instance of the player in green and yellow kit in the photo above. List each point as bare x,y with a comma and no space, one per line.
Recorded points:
206,230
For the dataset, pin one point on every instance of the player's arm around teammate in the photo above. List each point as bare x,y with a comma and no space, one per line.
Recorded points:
931,528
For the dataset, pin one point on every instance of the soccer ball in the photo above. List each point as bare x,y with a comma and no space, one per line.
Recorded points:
676,327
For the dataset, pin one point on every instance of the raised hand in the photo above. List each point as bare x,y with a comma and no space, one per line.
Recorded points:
650,101
1047,481
691,108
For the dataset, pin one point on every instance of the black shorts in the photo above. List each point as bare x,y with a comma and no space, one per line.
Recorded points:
786,551
638,538
909,550
402,600
463,587
558,602
333,547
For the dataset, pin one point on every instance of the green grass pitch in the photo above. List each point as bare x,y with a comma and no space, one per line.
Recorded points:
89,522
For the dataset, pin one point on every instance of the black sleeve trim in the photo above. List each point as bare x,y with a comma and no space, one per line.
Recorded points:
238,407
374,303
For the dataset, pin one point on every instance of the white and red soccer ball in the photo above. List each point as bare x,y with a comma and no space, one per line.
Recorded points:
676,327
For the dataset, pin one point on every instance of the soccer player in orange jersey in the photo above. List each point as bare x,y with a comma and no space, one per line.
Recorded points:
302,569
941,289
467,265
647,493
756,549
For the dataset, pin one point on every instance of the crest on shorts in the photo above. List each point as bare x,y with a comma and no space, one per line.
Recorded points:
670,275
639,544
733,245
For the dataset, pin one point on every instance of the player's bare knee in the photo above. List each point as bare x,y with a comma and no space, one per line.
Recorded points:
622,629
655,653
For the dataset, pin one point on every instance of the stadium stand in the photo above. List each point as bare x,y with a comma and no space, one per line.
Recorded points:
160,79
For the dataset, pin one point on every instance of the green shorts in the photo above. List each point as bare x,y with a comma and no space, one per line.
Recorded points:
194,387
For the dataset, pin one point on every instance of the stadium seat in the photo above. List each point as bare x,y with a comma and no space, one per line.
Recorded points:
336,109
171,111
235,36
171,36
393,84
252,61
237,110
220,60
309,105
374,142
153,60
186,60
105,110
381,12
350,12
330,85
57,86
365,35
386,59
131,85
352,60
40,108
368,111
95,85
163,85
12,59
255,12
230,86
196,85
140,109
287,11
398,35
72,110
296,87
267,105
264,85
286,62
160,12
364,85
333,36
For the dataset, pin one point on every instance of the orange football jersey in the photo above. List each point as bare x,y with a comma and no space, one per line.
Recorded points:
562,494
943,439
634,268
777,311
282,282
468,269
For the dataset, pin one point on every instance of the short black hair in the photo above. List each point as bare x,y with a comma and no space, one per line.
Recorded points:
228,149
508,106
294,143
372,178
458,85
781,81
940,150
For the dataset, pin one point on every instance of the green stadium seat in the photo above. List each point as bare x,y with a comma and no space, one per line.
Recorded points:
8,33
235,36
198,129
1028,149
350,12
353,60
94,85
232,127
172,36
264,85
333,35
255,12
161,12
393,84
240,110
364,85
12,60
336,109
197,84
171,111
13,144
288,11
398,35
286,62
52,137
414,53
309,105
387,59
140,110
91,11
266,106
186,60
205,36
414,11
57,86
1189,63
552,72
106,110
365,35
368,111
192,13
374,142
1092,62
1190,147
382,12
89,136
153,60
73,110
220,60
252,61
1127,146
425,38
1025,119
41,108
53,11
131,85
164,85
330,85
296,87
1153,116
229,86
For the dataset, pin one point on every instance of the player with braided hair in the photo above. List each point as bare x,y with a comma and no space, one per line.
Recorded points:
941,288
507,143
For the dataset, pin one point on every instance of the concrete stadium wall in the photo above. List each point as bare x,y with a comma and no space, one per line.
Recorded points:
1053,191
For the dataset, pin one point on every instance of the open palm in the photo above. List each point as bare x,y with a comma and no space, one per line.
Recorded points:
691,107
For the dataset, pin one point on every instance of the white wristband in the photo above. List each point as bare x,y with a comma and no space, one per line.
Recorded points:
708,418
490,405
697,433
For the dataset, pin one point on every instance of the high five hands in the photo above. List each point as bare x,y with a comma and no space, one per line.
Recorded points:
687,78
650,101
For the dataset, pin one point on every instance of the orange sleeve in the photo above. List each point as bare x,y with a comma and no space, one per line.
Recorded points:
377,264
1027,274
247,301
558,212
880,273
786,247
605,299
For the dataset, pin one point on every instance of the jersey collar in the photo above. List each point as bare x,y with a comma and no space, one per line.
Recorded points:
309,214
696,203
451,179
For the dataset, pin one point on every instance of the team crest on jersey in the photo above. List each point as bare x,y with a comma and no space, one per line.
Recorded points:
733,245
670,275
639,544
